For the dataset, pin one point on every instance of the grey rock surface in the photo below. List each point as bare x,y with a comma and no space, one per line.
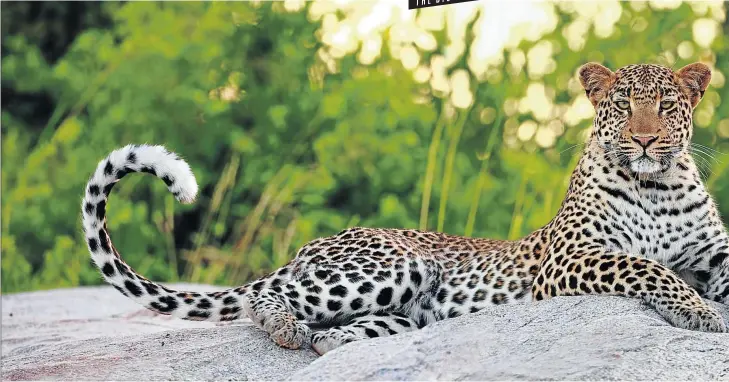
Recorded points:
98,334
566,338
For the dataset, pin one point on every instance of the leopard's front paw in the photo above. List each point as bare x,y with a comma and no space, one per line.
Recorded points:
702,318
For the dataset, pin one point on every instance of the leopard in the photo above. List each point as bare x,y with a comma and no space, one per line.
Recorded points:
637,221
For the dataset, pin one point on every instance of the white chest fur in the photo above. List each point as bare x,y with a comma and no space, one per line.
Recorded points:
663,223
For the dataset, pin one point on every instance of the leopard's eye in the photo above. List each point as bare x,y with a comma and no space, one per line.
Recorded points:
623,105
665,105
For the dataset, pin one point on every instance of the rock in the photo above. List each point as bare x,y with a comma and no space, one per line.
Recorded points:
98,334
565,338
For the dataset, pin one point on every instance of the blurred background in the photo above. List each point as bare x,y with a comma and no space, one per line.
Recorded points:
300,119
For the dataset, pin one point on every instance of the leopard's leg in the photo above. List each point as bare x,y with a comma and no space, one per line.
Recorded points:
375,325
717,288
625,275
716,261
331,290
267,310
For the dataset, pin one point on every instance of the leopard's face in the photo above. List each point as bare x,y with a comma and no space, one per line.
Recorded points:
644,120
643,116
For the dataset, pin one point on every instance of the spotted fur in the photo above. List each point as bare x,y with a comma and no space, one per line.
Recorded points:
637,221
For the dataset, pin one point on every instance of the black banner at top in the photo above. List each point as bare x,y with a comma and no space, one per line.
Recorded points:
415,4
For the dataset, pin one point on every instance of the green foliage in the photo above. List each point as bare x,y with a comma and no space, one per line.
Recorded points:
289,144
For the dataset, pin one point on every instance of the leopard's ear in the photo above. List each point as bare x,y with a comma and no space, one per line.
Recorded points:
693,80
596,80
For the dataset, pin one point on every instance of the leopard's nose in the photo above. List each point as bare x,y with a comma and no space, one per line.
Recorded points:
644,140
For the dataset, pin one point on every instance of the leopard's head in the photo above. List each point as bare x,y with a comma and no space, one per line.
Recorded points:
644,112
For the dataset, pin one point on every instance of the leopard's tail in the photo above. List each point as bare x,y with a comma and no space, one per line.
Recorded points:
175,172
